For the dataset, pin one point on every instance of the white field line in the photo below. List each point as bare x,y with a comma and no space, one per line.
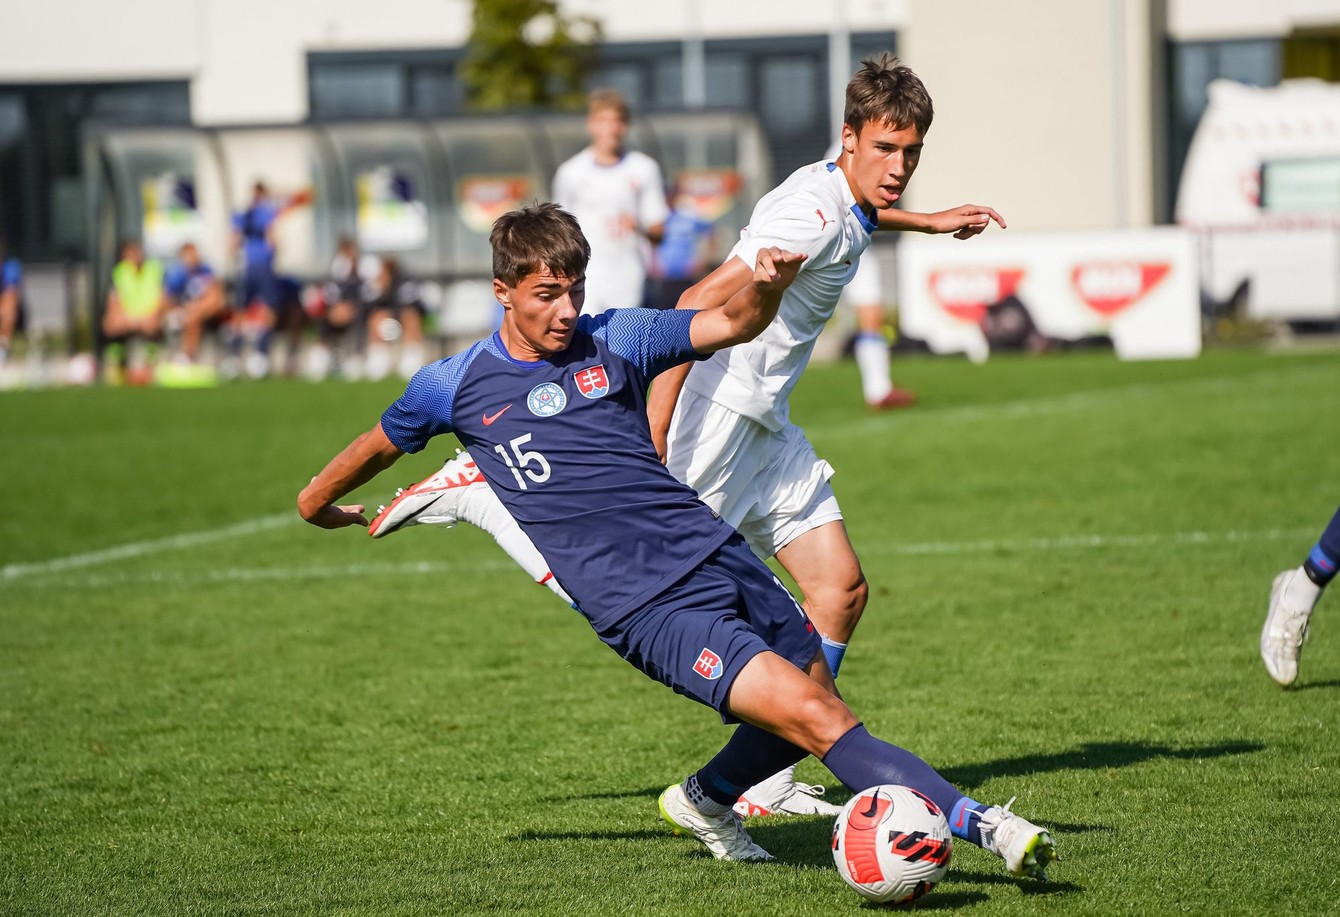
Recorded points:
913,549
11,572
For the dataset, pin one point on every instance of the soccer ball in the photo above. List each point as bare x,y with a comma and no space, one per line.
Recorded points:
891,844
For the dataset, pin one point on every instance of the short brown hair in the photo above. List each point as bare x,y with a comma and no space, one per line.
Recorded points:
608,98
884,90
535,237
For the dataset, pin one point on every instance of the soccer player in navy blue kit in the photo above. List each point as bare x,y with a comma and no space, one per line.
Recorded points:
1293,595
553,407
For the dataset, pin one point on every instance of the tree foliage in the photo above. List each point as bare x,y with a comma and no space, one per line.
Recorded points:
527,54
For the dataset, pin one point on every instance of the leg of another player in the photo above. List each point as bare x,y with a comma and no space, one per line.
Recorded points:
872,358
1293,595
826,569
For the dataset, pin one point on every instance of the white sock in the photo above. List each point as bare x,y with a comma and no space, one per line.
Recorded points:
378,362
700,800
872,356
487,512
1301,591
412,358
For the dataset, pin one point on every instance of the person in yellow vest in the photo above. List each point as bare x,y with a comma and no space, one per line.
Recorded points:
134,315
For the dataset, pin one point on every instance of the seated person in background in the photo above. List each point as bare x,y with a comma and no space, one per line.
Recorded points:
395,312
11,301
134,313
194,299
340,306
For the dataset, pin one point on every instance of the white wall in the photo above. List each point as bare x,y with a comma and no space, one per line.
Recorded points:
1202,20
247,59
75,40
1043,109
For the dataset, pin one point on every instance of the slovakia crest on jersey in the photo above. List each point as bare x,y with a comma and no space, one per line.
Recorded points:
709,665
592,382
546,399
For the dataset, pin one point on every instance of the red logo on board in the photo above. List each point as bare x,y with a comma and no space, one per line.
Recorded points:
1109,287
967,292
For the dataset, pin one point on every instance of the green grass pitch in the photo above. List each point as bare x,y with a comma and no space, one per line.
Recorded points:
207,707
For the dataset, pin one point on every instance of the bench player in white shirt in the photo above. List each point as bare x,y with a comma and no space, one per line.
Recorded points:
728,434
618,198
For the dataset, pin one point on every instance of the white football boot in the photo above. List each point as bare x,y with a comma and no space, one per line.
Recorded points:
780,794
1292,597
724,835
457,492
1026,849
436,500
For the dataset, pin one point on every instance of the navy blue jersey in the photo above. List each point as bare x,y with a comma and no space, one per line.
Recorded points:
564,443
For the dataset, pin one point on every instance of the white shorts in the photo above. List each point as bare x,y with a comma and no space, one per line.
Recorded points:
772,487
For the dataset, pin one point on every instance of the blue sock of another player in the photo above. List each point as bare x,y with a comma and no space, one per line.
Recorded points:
833,652
1321,564
861,761
749,756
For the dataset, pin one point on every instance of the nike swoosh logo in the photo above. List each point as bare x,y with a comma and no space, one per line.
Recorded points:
490,418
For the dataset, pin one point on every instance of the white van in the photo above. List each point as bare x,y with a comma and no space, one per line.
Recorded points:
1261,190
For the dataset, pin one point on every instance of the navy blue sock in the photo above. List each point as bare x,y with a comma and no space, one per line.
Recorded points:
751,755
861,761
1322,562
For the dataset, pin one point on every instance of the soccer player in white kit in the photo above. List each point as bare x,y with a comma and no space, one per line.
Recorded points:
618,198
728,434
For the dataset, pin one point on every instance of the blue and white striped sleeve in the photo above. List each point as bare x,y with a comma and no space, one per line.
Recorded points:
653,340
424,411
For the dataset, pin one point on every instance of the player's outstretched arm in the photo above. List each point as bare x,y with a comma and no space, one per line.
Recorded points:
358,463
713,290
744,315
964,222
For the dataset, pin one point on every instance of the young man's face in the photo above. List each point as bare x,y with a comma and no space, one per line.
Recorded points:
607,130
541,313
880,161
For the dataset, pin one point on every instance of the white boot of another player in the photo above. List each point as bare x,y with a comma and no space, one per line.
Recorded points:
1292,597
780,794
457,492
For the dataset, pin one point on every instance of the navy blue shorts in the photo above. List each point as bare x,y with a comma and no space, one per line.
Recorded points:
697,635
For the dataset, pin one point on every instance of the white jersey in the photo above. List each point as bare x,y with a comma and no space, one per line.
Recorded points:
814,212
604,199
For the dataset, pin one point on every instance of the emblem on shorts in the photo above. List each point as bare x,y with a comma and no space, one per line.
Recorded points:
709,665
546,399
592,382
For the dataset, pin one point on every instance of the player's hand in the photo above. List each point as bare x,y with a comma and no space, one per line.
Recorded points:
338,517
775,268
964,222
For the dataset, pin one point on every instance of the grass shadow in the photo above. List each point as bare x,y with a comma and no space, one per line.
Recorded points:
644,834
1317,685
1089,756
1025,886
652,792
937,900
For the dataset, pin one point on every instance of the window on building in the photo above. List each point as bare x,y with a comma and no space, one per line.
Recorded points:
1196,64
384,84
42,181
